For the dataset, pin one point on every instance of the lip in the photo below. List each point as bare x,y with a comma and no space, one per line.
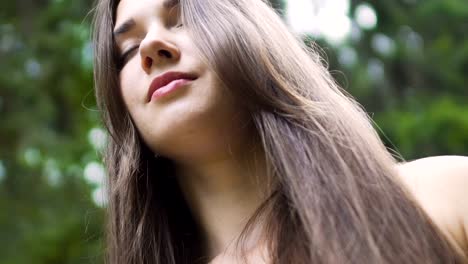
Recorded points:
165,79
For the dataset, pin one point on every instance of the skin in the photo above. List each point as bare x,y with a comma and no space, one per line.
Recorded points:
218,166
439,185
199,126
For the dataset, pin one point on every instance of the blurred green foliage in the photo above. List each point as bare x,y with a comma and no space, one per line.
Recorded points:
47,214
409,72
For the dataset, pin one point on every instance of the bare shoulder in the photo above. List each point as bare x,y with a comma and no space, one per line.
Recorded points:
440,185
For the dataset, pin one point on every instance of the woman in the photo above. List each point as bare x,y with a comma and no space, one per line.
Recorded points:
231,143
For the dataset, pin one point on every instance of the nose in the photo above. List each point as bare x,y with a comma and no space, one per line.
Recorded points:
155,49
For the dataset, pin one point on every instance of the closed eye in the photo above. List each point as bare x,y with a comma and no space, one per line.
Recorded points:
127,54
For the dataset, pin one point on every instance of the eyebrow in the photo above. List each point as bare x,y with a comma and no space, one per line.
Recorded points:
170,3
125,27
130,23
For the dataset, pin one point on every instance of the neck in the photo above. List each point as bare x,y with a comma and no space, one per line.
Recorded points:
223,193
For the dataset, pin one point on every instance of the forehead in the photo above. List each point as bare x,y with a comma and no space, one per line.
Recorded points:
130,8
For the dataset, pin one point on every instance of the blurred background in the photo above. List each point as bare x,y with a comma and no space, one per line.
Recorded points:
406,62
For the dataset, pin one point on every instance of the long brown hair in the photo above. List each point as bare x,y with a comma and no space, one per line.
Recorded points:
334,188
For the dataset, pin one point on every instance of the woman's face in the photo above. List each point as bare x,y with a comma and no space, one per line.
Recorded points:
191,121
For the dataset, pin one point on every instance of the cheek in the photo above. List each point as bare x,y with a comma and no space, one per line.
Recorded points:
128,87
